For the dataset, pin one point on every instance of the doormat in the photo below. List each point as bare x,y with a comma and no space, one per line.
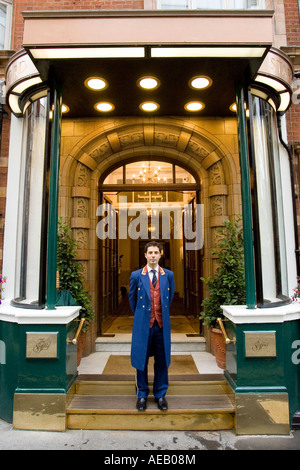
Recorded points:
123,325
180,365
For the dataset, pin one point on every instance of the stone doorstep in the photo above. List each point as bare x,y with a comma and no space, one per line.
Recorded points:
122,343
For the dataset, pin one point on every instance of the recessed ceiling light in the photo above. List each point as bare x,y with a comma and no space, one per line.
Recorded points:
194,106
148,83
104,107
65,108
200,82
233,107
96,83
149,106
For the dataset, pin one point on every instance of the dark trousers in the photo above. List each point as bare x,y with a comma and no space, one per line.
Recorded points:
161,382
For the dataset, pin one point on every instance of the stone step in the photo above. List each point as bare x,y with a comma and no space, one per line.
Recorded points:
186,412
122,343
177,386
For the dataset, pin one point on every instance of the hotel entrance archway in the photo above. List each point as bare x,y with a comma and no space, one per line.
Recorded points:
143,201
93,150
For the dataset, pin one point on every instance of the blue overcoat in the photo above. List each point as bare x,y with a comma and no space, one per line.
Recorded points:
140,303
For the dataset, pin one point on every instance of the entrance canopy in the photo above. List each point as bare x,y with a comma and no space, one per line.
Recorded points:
220,49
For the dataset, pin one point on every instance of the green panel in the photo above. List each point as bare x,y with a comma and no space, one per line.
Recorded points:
19,374
291,335
8,368
278,374
260,371
56,374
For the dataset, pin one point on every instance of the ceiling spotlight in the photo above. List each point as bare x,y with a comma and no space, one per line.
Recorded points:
65,108
233,107
194,106
96,83
200,82
148,83
149,106
104,107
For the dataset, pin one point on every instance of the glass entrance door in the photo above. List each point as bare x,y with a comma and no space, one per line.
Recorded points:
144,216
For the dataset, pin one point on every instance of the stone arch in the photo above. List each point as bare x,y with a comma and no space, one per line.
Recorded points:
181,141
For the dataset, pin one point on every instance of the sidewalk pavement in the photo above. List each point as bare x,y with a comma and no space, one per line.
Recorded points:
151,441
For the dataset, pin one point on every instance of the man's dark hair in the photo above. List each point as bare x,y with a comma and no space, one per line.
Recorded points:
152,244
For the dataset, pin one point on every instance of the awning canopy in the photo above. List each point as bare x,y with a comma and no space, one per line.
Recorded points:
120,47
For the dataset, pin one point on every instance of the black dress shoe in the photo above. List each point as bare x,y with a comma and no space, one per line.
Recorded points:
162,403
141,404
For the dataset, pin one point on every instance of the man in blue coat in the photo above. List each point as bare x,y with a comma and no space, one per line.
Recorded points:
151,292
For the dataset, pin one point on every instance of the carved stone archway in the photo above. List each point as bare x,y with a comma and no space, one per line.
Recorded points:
214,158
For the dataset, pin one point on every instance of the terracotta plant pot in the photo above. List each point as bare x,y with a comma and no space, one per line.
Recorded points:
219,347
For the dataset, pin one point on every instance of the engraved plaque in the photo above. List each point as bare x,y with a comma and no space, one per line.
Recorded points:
260,343
41,345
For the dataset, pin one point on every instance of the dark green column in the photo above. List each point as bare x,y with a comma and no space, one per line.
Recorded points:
53,200
246,200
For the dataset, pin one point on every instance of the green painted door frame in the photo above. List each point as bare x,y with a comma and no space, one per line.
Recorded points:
53,200
246,200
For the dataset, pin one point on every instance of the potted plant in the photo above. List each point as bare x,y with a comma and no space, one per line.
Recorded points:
295,297
71,279
227,286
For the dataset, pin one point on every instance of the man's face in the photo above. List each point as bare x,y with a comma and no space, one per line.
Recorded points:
152,256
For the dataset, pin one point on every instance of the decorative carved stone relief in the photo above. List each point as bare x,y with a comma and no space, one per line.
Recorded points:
83,176
132,140
81,207
217,205
103,150
216,174
216,237
166,138
84,266
81,237
196,149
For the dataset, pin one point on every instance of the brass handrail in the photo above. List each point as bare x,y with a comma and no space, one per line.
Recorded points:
74,340
227,340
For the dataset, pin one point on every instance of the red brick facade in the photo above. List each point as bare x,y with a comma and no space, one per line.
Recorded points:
292,22
4,150
292,19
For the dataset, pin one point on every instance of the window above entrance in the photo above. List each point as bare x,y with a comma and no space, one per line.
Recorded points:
210,4
149,172
5,23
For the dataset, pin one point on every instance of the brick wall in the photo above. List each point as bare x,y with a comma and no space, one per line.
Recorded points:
4,149
293,39
27,5
292,22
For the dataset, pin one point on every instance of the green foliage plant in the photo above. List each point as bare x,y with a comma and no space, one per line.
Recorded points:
227,286
70,272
